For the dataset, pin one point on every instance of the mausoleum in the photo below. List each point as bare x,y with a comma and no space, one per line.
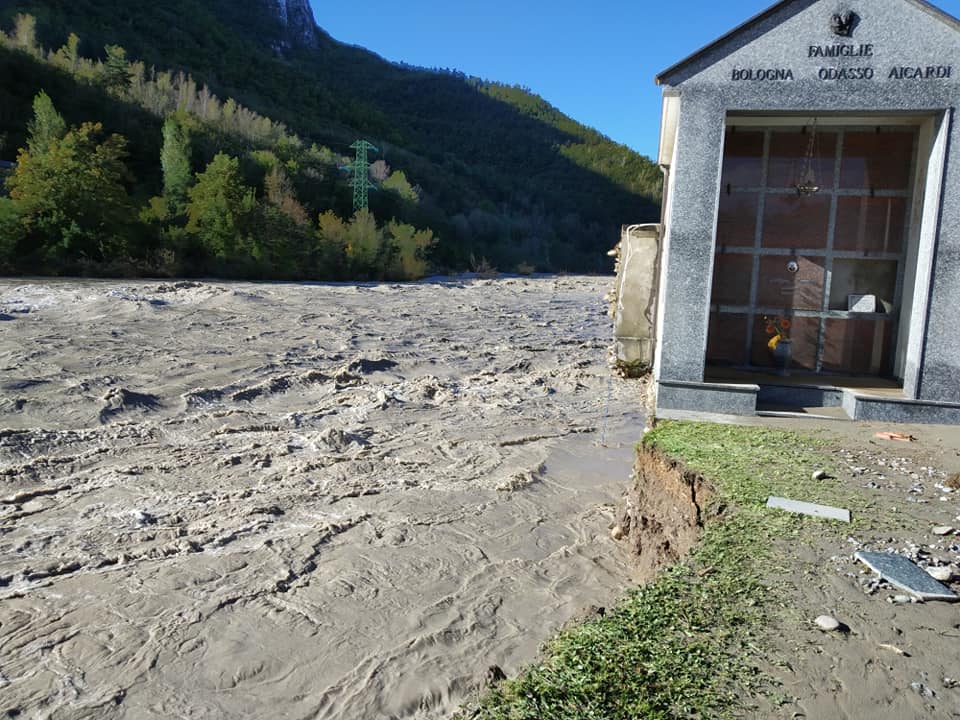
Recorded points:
809,251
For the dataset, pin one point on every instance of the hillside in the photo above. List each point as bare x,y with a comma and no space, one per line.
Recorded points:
500,173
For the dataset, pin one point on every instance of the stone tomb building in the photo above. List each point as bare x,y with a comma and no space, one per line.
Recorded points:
812,192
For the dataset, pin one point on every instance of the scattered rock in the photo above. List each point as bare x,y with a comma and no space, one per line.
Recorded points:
617,532
819,475
943,530
827,623
902,599
922,689
943,574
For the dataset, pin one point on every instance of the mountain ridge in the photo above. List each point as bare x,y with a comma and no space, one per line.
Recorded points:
497,164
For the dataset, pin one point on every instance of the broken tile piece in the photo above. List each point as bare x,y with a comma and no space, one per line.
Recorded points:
805,508
904,574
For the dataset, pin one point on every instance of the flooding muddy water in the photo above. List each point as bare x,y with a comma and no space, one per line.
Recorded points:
299,501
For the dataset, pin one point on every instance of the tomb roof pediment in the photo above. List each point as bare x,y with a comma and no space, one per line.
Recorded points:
789,21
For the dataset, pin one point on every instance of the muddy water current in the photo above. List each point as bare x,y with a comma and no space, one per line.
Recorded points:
299,501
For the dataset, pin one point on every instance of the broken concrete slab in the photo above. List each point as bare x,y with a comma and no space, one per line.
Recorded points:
806,508
904,574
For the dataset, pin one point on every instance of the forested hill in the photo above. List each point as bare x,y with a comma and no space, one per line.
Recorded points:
499,173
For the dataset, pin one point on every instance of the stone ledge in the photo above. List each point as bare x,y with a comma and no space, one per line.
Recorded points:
719,398
879,409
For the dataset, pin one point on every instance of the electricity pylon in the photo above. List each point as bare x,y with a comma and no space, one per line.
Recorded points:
361,173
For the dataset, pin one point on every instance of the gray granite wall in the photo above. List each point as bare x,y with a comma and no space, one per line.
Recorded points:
688,260
939,376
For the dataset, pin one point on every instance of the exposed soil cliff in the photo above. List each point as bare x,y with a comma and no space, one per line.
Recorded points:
661,515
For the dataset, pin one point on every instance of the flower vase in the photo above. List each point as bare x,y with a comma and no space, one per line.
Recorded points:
782,356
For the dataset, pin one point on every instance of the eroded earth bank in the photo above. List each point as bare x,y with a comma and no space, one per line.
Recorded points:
298,501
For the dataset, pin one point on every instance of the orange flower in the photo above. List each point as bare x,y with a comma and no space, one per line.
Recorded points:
785,323
770,328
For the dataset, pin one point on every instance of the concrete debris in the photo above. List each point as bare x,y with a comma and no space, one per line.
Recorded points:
904,574
812,509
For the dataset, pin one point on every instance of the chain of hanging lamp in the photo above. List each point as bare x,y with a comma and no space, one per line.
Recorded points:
807,184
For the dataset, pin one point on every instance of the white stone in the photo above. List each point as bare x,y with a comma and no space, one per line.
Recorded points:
827,623
942,530
901,599
819,475
943,574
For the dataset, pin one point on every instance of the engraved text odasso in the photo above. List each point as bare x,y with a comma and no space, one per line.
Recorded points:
863,71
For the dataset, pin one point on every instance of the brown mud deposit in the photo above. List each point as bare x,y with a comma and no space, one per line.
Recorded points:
661,516
324,501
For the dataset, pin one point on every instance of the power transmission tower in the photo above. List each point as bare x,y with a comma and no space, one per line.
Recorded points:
361,173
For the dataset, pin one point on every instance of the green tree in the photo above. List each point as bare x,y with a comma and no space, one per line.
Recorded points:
11,233
116,69
175,163
220,208
71,199
46,127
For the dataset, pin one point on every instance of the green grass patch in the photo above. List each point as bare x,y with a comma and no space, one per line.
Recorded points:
687,645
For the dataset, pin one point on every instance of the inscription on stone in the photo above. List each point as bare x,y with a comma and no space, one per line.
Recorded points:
856,73
762,74
840,74
830,51
930,72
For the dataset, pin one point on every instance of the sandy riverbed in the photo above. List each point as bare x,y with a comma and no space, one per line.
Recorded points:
238,500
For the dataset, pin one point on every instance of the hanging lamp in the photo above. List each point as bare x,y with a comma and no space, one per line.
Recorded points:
807,184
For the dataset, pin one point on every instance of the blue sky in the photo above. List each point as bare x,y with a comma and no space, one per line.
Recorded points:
594,61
